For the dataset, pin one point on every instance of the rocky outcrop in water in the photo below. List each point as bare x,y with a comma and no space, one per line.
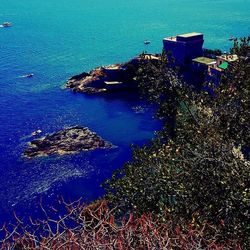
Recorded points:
67,141
110,78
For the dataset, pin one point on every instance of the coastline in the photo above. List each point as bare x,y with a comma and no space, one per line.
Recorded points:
110,78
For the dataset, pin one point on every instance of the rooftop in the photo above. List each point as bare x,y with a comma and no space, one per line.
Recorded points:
204,60
228,58
113,66
183,37
190,34
113,83
224,65
148,57
171,38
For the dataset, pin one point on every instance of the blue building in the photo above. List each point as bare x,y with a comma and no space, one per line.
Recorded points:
184,48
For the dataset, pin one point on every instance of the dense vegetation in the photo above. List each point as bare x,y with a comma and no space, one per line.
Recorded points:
198,167
188,189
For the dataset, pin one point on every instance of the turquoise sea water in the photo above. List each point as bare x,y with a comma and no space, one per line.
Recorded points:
56,39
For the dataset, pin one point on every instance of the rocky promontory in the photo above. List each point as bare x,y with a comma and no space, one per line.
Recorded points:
67,141
115,77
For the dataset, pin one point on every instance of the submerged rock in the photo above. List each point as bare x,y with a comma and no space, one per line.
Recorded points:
67,141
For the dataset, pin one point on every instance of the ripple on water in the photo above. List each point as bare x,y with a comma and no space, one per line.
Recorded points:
34,178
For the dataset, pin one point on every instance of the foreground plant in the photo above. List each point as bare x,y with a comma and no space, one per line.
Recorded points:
96,227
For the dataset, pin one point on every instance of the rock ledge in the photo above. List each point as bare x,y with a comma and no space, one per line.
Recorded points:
111,78
67,141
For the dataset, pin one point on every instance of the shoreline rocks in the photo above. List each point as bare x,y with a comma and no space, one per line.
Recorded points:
67,141
115,77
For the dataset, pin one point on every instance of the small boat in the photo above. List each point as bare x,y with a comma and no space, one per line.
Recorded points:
146,42
231,38
29,75
6,24
37,132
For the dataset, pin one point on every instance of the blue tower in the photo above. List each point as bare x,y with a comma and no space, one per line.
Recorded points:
183,48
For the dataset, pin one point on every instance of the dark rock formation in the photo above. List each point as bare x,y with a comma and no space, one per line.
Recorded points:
110,78
80,76
67,141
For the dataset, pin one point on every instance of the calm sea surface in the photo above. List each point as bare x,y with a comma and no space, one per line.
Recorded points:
56,39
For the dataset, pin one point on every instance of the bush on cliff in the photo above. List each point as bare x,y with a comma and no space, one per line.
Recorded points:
202,172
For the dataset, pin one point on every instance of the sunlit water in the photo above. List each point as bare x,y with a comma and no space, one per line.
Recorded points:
56,39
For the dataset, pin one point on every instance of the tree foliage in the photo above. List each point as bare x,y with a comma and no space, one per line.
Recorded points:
197,168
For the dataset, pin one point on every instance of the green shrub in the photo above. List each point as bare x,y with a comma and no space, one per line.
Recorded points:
201,173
